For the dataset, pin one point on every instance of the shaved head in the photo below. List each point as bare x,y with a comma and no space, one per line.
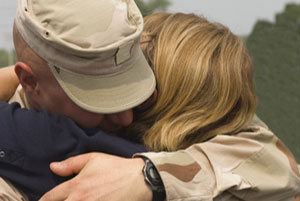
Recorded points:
26,55
42,89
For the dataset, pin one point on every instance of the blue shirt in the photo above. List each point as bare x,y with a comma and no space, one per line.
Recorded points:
30,140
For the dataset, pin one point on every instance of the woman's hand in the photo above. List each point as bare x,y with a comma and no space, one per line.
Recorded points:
100,177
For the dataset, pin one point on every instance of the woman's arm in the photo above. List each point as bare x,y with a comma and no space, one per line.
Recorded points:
8,82
254,165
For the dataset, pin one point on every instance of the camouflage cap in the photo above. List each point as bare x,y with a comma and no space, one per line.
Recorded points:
92,48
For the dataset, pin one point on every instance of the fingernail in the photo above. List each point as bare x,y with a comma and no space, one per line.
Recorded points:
56,164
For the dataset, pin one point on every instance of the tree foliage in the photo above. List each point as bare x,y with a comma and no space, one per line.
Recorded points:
149,6
275,49
7,57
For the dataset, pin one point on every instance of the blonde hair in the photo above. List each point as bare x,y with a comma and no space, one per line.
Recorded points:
204,78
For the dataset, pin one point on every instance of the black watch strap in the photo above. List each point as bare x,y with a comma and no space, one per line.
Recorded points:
153,178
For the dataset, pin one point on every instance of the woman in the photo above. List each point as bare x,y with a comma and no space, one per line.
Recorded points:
206,99
205,82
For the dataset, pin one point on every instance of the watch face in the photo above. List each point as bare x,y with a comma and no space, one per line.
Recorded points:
153,175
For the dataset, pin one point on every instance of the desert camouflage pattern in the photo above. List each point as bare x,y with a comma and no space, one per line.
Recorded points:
19,97
9,193
252,165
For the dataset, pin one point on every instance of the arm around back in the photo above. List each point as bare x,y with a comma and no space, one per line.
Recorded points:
8,82
252,165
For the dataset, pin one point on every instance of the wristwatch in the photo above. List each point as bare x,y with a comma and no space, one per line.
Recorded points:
153,178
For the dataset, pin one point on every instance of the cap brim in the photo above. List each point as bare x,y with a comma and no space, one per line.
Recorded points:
109,94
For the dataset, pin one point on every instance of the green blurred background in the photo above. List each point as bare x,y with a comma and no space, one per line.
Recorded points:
275,50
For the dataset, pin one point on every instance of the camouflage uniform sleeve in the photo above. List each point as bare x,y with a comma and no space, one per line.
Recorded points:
19,97
253,165
9,193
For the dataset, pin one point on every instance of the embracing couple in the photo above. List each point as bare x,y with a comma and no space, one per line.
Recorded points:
169,100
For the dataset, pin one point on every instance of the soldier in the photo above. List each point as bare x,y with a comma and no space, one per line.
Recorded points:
235,156
80,59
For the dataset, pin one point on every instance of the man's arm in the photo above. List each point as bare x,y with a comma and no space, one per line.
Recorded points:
8,192
252,165
8,83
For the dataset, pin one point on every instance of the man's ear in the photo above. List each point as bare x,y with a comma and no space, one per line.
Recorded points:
149,102
26,77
